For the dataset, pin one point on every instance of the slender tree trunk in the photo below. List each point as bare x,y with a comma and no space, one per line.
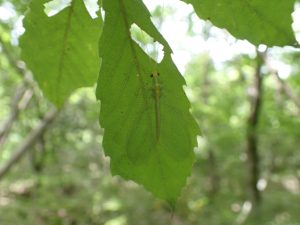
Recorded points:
255,93
213,174
212,166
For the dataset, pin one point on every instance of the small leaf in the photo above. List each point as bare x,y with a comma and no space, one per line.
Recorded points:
61,51
258,21
149,143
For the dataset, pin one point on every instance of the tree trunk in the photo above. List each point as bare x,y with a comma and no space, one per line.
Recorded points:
255,93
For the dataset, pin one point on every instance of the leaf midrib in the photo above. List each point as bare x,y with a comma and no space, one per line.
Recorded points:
64,46
158,154
134,54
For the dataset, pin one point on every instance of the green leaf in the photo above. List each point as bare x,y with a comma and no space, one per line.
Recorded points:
150,140
258,21
61,51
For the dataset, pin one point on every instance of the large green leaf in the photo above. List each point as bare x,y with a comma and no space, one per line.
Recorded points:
149,140
61,51
258,21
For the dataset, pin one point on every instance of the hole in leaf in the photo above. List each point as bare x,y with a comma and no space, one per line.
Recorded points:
92,7
296,22
152,48
55,6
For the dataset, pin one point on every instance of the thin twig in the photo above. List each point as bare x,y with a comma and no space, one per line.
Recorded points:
283,85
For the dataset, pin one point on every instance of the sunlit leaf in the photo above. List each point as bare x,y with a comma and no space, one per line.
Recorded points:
149,131
61,51
258,21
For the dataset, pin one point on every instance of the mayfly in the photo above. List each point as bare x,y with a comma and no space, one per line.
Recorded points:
156,95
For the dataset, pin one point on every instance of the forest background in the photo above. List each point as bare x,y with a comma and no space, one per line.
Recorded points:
245,98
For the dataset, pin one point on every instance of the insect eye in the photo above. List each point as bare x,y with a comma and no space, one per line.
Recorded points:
158,74
151,75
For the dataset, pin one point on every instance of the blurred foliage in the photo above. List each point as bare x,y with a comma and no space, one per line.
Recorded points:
65,179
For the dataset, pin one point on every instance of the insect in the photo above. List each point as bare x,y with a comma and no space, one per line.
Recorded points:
156,95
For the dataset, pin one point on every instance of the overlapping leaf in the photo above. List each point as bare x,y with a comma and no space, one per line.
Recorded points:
128,112
258,21
61,51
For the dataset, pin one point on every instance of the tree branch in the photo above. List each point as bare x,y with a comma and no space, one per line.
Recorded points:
29,141
287,90
21,98
24,92
19,103
17,65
